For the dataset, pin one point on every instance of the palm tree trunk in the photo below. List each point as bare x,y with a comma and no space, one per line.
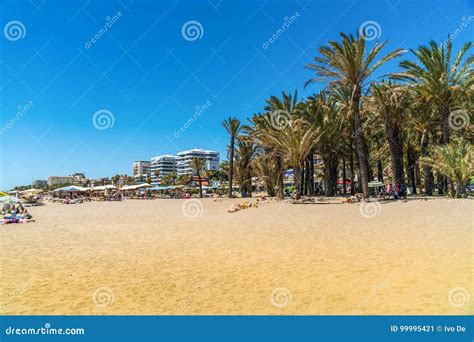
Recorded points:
311,174
427,170
231,165
280,178
351,167
395,145
443,113
360,145
440,183
330,173
307,176
334,175
417,173
411,168
200,184
302,179
379,170
344,176
370,175
460,189
297,179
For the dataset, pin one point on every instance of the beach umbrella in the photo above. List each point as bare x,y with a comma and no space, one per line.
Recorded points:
32,191
9,199
103,187
375,184
159,188
71,188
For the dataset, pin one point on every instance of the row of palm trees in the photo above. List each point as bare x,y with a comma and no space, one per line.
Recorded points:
413,124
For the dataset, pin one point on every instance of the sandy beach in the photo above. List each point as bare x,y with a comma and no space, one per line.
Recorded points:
155,257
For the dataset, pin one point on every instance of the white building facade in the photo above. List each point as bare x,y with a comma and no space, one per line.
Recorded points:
164,165
141,168
183,160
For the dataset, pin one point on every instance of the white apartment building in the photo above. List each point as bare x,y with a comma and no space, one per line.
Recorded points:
141,168
184,158
56,180
165,165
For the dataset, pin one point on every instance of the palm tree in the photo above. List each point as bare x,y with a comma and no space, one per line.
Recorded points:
292,144
261,126
244,155
115,179
168,179
421,120
232,126
455,161
279,111
198,165
440,79
391,102
325,114
348,65
266,169
183,179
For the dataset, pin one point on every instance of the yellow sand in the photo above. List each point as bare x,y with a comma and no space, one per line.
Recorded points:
146,257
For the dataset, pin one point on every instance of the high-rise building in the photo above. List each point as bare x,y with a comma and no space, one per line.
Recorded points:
163,165
183,160
141,168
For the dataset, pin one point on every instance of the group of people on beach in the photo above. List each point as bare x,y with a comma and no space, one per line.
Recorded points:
395,191
15,214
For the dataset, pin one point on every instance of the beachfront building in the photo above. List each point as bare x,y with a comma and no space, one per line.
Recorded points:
56,180
183,160
79,177
162,165
141,168
39,183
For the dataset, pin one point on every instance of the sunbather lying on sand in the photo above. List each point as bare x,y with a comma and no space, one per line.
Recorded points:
353,199
243,205
16,220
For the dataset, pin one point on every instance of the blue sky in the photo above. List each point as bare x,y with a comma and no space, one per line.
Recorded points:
151,79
